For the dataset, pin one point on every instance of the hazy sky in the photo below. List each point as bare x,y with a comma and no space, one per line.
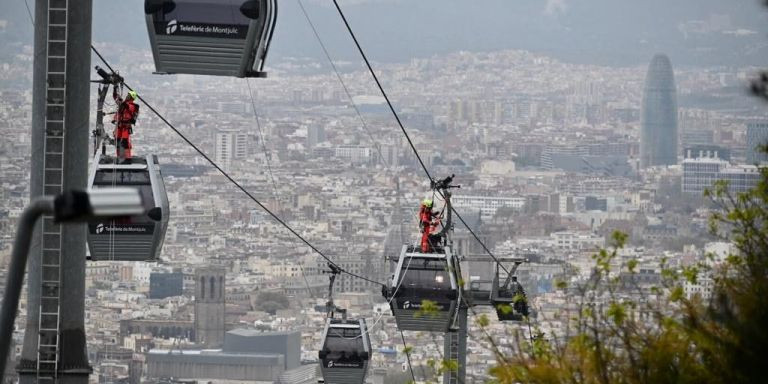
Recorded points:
613,32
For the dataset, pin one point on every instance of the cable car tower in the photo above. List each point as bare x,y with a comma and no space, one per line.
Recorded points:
346,347
427,290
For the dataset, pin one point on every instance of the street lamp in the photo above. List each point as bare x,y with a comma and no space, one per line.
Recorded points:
71,206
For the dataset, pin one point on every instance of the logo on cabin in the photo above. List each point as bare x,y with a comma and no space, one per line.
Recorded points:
330,363
171,27
407,305
121,229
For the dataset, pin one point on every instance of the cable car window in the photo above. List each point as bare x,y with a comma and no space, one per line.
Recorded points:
106,178
222,19
109,177
344,344
429,274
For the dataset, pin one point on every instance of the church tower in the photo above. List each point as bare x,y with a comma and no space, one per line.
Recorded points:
209,306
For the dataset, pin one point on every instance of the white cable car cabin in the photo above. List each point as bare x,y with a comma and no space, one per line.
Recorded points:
346,351
135,238
211,37
424,292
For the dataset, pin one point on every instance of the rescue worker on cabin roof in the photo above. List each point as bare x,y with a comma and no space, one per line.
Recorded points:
124,119
428,224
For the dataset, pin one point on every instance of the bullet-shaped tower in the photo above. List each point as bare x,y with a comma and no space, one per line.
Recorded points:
658,136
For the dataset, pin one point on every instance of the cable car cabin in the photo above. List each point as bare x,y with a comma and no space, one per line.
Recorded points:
508,297
424,293
346,351
135,238
210,37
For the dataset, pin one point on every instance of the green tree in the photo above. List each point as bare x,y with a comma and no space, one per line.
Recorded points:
270,302
660,335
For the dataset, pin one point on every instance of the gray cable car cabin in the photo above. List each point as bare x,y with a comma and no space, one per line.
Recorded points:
421,277
135,238
508,297
346,351
210,37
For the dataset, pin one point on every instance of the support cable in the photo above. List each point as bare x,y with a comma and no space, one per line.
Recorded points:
370,135
413,147
261,138
271,175
376,78
405,133
341,80
233,181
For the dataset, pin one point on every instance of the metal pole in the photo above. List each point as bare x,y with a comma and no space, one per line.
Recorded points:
59,162
455,348
15,282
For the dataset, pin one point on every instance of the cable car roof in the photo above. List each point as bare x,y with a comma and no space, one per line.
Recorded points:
210,37
347,326
127,167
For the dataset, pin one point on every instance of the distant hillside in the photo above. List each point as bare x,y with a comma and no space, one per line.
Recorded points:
612,32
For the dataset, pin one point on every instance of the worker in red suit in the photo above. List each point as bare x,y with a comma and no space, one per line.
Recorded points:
428,224
124,119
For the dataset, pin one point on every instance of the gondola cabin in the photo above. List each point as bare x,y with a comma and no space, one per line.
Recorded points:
508,298
210,37
346,351
424,293
135,238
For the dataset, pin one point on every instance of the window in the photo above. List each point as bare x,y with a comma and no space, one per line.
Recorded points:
426,274
344,344
205,11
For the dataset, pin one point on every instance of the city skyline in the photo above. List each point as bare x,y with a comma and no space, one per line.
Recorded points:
552,156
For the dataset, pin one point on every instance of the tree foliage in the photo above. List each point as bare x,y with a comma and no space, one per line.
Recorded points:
270,302
619,332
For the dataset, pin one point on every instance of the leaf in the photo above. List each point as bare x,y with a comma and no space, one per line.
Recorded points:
691,274
676,294
483,321
617,312
631,265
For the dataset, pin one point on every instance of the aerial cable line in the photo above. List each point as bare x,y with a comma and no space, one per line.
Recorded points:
29,12
406,349
413,147
376,78
341,80
233,181
269,170
405,133
261,138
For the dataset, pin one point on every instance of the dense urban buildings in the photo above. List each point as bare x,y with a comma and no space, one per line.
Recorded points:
547,152
658,132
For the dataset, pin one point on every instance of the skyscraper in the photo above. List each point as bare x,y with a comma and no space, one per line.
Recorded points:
658,136
757,135
315,135
231,144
